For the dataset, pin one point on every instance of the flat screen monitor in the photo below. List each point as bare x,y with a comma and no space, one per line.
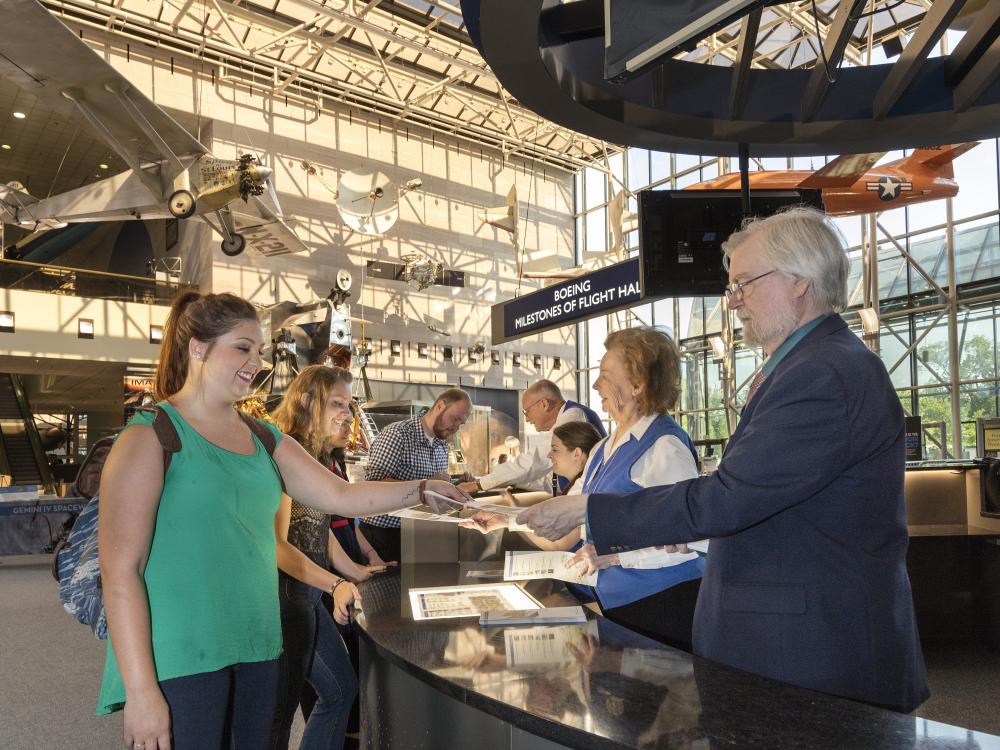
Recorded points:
681,234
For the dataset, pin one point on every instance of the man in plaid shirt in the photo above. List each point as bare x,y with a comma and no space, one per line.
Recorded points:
415,448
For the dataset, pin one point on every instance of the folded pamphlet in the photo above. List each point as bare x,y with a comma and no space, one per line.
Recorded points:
527,566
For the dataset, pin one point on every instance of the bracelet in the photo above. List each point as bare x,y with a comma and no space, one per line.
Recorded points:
333,588
420,491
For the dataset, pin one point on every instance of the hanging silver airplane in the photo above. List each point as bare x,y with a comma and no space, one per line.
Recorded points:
171,174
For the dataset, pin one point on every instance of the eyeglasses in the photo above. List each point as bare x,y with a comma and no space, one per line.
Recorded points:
736,288
526,409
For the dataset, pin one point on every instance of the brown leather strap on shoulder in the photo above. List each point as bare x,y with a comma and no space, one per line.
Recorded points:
264,435
166,433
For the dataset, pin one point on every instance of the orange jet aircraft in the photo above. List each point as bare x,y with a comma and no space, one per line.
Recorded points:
852,185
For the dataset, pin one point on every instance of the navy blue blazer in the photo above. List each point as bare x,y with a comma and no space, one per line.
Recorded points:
806,576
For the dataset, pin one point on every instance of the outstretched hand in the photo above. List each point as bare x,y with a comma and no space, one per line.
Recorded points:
485,522
443,497
555,518
589,561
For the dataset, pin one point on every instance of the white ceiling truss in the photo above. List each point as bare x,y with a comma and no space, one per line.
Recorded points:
786,37
407,61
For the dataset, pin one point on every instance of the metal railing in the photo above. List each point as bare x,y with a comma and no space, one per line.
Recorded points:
75,282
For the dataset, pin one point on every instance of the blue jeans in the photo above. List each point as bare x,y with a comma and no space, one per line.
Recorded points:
231,708
314,651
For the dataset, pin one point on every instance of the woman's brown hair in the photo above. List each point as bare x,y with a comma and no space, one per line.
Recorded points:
300,413
573,435
204,317
651,360
582,435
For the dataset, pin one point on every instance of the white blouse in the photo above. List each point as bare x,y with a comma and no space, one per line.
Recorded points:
667,461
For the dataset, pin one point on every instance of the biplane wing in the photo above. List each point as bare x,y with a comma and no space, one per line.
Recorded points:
70,77
265,232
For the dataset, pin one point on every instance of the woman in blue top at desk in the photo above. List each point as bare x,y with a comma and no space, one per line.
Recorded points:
652,591
571,445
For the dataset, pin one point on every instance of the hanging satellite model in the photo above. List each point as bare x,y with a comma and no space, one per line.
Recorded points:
368,202
437,329
310,169
505,217
420,270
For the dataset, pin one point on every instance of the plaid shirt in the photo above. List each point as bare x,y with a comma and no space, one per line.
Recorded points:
403,451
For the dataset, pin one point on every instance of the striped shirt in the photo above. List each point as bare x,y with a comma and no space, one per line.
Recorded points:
403,451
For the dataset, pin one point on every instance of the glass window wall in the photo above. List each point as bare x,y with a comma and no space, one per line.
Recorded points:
910,306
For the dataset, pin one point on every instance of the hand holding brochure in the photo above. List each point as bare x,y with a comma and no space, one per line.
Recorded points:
503,510
424,515
526,566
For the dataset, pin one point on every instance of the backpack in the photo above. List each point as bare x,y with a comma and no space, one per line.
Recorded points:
76,563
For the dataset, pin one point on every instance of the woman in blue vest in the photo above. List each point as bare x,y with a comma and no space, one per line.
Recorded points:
571,445
652,591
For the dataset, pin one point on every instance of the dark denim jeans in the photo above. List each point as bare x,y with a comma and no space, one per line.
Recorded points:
230,709
314,651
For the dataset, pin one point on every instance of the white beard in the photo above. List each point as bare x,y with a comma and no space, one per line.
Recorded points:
778,327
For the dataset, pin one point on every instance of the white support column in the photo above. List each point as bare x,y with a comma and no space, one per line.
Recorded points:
954,360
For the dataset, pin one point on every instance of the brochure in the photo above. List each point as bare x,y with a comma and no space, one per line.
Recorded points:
527,566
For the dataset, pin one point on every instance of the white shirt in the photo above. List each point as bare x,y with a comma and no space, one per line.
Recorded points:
667,461
532,469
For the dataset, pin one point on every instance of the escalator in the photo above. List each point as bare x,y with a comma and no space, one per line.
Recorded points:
21,454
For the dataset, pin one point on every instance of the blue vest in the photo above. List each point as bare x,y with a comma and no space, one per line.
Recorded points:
617,586
590,414
593,419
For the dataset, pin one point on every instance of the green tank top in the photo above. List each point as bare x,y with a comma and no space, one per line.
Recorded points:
211,576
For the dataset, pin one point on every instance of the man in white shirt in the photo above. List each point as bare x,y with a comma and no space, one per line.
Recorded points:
543,407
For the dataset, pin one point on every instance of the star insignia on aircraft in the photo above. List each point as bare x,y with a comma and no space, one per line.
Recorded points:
889,188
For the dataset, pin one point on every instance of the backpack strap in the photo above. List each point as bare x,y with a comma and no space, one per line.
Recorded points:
166,433
264,435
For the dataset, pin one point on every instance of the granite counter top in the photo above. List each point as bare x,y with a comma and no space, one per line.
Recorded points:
599,685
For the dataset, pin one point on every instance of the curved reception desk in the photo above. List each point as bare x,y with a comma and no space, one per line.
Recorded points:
449,683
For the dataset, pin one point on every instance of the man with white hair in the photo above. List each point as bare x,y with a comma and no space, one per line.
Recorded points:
806,581
543,407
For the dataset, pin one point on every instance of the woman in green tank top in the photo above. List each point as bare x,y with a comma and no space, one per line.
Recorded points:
188,562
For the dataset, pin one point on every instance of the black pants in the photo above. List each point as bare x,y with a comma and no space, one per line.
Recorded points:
666,616
229,708
314,652
385,541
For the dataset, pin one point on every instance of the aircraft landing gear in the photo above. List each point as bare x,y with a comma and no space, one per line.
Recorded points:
234,245
181,204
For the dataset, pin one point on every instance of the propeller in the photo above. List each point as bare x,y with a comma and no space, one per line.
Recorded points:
253,176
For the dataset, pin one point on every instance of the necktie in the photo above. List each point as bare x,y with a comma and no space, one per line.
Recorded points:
754,385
